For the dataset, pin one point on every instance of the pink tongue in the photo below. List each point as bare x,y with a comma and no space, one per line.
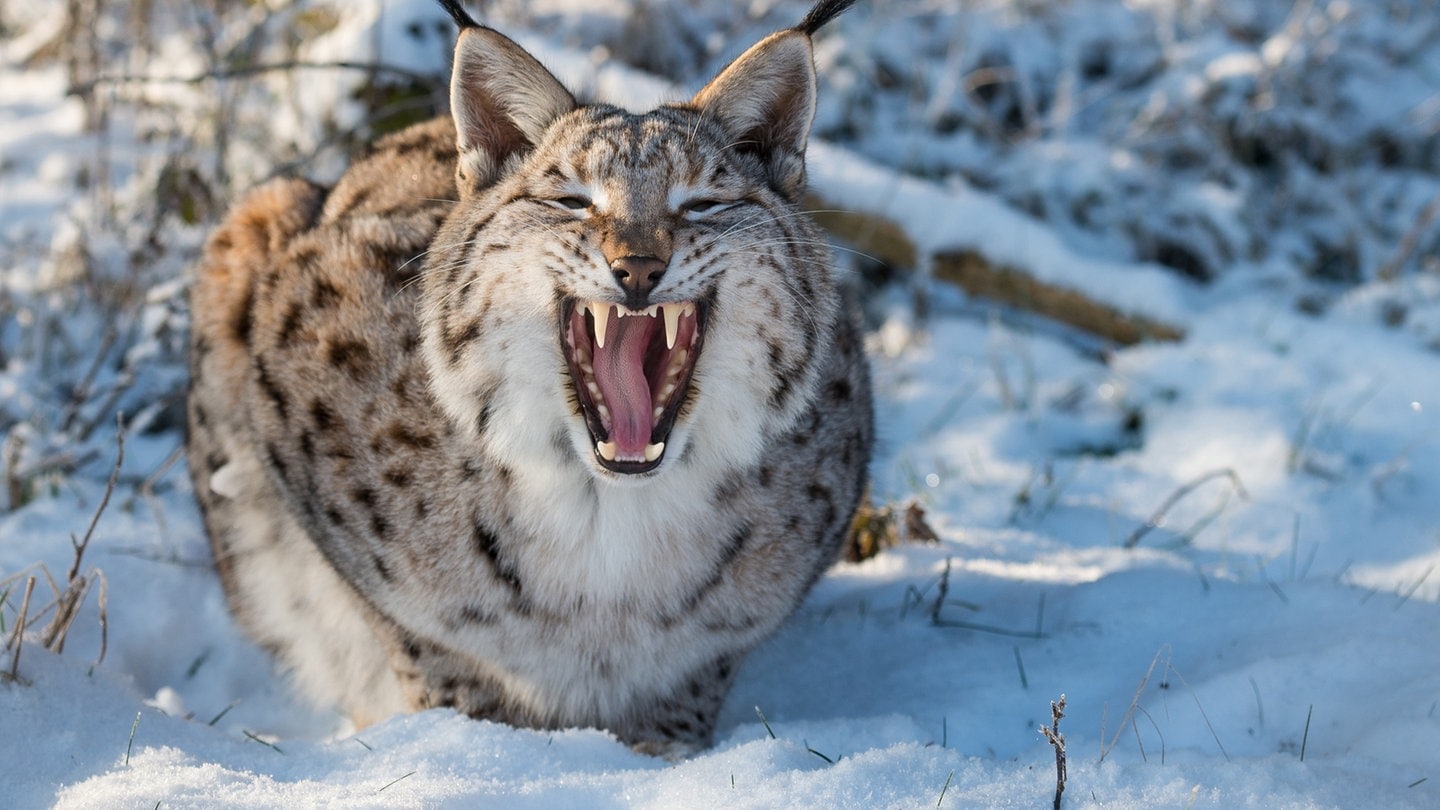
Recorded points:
620,373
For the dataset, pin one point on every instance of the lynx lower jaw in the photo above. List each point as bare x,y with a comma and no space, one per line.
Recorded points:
600,311
607,451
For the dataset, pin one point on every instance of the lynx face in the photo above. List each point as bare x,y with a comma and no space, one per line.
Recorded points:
664,251
635,298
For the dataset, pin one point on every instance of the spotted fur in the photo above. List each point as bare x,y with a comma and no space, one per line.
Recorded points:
389,439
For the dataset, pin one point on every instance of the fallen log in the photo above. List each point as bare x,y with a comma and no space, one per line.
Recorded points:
888,242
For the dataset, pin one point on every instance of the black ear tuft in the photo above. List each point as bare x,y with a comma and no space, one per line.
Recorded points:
462,17
823,12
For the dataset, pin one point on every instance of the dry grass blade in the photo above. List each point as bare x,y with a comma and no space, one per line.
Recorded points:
102,602
1201,708
1158,734
396,781
943,591
1175,497
817,753
1106,748
1305,738
948,778
765,723
16,639
130,744
226,711
255,738
67,607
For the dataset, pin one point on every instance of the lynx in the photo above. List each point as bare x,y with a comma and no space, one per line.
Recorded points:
546,411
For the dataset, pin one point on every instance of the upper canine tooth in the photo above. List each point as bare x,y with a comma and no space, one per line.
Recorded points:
653,451
672,322
600,310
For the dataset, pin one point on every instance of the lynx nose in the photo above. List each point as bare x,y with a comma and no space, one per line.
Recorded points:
638,275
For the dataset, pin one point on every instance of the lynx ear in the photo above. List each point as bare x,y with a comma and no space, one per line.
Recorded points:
766,101
502,99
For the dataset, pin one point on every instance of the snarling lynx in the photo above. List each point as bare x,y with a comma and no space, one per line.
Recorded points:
548,412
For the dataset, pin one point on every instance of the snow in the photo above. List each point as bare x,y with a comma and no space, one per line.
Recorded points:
1222,551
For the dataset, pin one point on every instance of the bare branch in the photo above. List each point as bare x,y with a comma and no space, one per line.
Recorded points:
246,71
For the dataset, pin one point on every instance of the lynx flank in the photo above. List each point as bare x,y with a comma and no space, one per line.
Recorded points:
549,412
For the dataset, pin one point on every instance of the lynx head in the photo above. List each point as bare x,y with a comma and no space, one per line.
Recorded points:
634,288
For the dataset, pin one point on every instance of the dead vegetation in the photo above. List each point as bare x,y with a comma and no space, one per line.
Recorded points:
69,594
876,528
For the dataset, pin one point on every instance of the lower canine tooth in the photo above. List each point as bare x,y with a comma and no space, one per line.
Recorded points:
607,450
653,451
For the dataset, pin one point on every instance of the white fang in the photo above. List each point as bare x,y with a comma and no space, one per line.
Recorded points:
600,311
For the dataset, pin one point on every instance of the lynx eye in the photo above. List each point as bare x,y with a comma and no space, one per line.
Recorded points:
572,203
704,206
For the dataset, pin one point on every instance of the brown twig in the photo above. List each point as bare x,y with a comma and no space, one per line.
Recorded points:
1057,741
68,600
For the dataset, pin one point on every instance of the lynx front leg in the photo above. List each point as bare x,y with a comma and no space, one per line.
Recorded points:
431,677
683,723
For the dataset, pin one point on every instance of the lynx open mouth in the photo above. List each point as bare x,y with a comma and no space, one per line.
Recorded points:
631,372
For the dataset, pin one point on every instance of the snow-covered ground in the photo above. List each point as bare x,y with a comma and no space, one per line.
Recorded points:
1221,551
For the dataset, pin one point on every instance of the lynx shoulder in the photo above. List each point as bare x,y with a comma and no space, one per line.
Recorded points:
546,411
